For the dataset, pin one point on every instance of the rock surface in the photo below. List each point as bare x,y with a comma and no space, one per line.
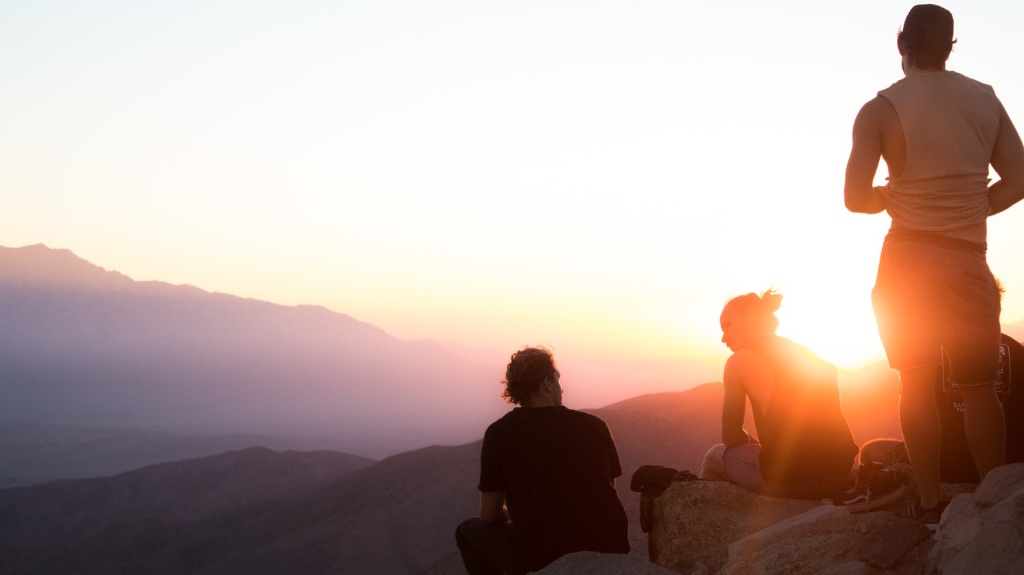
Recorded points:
889,540
983,533
716,528
695,522
808,542
590,563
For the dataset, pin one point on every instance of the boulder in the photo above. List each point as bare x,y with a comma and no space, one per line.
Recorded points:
805,543
716,528
695,522
983,533
889,541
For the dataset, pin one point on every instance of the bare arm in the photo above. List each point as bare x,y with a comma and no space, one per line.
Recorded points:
1008,162
747,376
492,507
734,404
859,192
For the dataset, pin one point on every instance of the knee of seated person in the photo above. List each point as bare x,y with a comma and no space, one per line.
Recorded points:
716,452
712,467
463,531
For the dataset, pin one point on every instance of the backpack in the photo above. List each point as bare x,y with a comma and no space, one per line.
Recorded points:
650,481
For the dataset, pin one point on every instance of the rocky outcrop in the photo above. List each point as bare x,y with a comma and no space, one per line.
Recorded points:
716,528
983,532
694,522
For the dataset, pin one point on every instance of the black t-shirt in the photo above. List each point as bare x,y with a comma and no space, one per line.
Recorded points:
555,466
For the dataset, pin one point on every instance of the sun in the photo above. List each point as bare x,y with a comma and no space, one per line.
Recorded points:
842,334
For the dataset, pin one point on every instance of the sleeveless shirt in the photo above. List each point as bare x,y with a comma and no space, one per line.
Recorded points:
950,123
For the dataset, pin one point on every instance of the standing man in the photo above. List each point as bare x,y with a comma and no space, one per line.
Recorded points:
547,479
938,132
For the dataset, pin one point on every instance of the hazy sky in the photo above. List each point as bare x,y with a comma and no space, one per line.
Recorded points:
596,176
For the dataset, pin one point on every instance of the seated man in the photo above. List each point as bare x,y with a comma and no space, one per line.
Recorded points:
804,447
547,479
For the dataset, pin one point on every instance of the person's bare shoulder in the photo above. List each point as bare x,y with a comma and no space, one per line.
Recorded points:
744,365
878,116
876,113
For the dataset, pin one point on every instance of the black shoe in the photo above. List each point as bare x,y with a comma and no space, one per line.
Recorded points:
930,517
875,488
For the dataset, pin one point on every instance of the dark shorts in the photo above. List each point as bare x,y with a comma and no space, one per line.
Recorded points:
938,296
485,548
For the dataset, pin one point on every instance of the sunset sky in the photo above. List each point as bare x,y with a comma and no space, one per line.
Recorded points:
599,177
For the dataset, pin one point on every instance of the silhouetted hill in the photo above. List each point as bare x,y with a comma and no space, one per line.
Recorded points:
77,526
36,453
673,429
252,511
79,344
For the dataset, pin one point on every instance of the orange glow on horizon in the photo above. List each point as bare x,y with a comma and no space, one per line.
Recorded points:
845,335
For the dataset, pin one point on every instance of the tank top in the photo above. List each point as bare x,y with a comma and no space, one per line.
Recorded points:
950,123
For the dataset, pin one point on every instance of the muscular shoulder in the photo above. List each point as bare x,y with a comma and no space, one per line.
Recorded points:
875,115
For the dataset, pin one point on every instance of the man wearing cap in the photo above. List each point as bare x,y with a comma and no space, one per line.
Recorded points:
938,132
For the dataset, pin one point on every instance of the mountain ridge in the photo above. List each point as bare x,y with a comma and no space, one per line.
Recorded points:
83,345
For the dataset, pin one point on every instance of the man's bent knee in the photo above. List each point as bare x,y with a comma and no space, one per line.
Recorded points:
484,546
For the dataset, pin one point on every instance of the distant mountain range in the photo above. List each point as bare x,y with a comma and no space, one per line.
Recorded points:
83,345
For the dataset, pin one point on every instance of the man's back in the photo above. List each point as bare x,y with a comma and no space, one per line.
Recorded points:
556,467
950,124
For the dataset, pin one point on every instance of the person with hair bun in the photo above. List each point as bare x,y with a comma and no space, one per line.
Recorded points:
939,133
804,447
547,479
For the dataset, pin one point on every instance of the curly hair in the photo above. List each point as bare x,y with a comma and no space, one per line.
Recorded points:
526,370
761,307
